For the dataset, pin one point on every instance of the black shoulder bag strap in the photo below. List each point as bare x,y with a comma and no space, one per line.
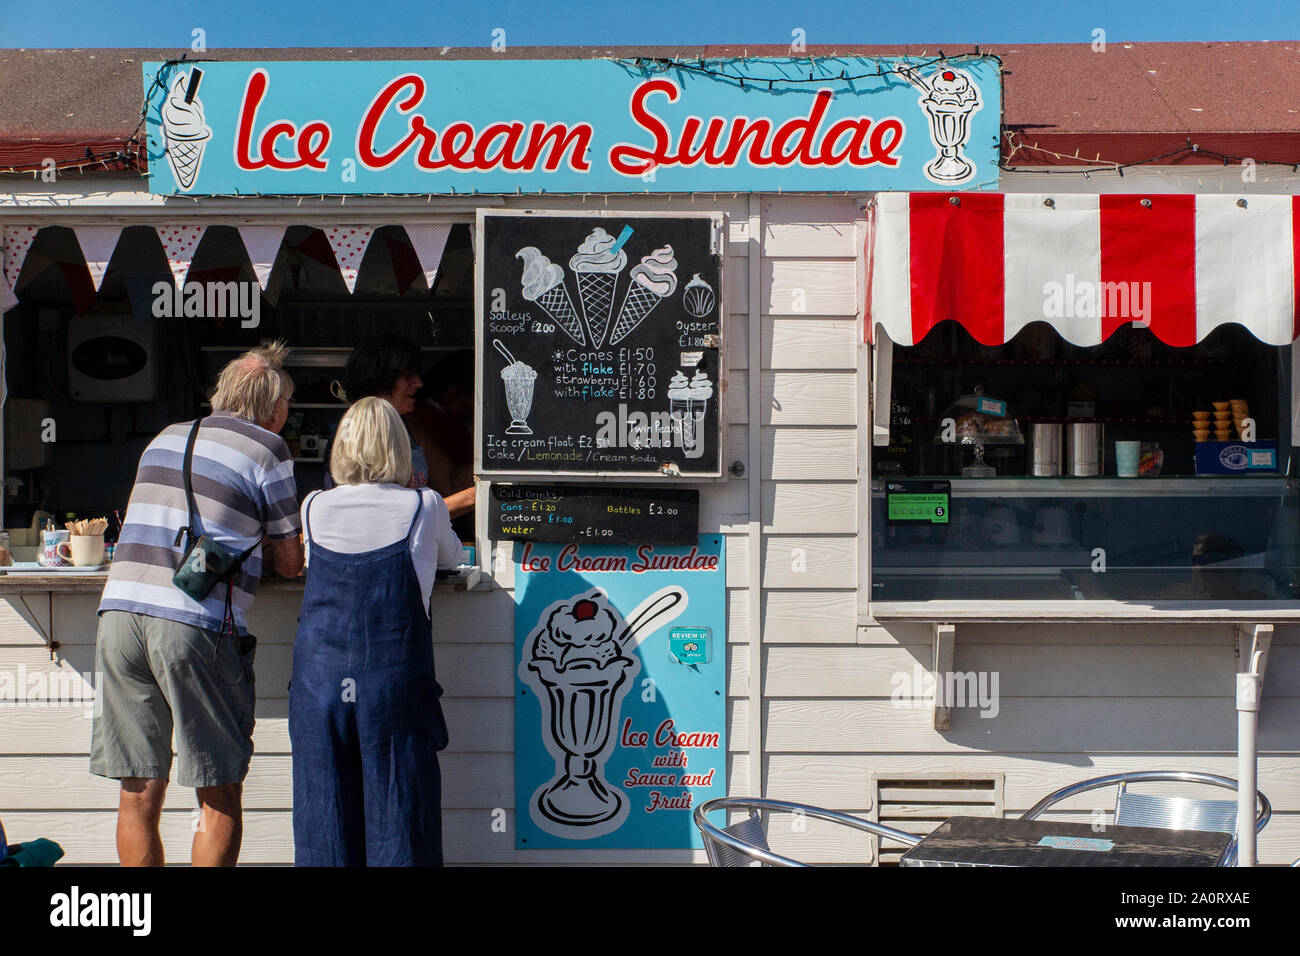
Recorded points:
188,532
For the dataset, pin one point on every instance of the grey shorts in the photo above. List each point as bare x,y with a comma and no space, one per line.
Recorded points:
157,675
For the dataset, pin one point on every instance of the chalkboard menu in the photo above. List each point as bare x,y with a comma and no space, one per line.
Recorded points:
600,514
600,345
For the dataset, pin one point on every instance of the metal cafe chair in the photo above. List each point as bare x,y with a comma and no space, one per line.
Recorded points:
1166,813
746,841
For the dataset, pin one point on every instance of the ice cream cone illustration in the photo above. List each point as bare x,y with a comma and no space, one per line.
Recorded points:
654,280
949,99
581,663
701,390
679,405
596,266
184,131
543,283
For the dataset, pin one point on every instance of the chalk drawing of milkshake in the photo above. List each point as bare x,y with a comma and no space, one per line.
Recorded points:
518,379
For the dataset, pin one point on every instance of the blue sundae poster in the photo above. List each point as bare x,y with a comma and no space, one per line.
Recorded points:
621,703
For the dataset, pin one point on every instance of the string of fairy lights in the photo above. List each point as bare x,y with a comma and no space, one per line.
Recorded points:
1016,144
128,156
124,158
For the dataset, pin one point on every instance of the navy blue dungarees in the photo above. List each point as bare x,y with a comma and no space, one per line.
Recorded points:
365,720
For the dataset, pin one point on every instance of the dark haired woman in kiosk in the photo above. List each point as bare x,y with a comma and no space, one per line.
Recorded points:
386,366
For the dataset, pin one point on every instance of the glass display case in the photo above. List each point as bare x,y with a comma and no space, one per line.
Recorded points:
1129,471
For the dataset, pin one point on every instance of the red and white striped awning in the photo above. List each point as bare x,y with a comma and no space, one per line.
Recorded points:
1086,264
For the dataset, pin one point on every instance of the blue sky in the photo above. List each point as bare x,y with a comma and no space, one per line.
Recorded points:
227,23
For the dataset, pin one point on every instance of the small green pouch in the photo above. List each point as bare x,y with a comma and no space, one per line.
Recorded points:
204,566
206,563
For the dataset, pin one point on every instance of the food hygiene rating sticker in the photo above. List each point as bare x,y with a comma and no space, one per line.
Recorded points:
691,645
917,501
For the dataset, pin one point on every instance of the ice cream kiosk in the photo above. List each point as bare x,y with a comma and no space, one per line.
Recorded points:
775,417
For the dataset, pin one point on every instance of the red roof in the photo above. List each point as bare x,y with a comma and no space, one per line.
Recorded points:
1130,102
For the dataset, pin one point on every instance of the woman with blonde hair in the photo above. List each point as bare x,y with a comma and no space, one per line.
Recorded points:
365,721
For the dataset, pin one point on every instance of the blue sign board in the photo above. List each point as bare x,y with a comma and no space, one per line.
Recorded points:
581,126
620,733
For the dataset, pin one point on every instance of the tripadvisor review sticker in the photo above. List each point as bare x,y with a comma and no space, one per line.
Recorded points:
690,645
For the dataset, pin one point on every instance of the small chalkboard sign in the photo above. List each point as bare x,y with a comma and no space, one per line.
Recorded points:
600,345
601,514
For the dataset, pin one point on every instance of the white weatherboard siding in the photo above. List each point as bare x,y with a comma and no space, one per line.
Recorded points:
1075,700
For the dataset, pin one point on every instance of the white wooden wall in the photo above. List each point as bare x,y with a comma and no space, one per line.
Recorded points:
1076,701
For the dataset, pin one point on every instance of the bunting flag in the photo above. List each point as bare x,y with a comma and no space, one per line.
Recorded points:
406,264
139,292
1182,265
429,241
8,298
18,240
83,292
179,242
262,244
349,244
97,245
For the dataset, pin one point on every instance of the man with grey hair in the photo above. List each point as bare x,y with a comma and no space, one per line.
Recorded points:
168,661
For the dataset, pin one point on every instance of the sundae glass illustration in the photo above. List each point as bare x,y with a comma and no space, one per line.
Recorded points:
184,130
654,280
949,100
597,265
581,663
543,283
518,379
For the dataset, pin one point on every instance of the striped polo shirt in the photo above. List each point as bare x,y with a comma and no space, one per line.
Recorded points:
242,477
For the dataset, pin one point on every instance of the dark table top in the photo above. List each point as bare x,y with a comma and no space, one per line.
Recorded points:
993,841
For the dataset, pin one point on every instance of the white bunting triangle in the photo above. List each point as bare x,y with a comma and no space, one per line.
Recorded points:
429,240
97,245
18,239
7,297
262,244
179,242
349,244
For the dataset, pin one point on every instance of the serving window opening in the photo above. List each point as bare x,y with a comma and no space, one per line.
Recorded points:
91,376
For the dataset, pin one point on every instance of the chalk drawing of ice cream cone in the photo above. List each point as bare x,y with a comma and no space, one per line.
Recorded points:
701,390
185,132
543,283
596,266
654,280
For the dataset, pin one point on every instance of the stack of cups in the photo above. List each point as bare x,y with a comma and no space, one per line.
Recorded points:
1222,421
1201,425
1240,412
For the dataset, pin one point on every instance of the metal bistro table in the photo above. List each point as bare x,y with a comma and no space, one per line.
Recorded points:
993,841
